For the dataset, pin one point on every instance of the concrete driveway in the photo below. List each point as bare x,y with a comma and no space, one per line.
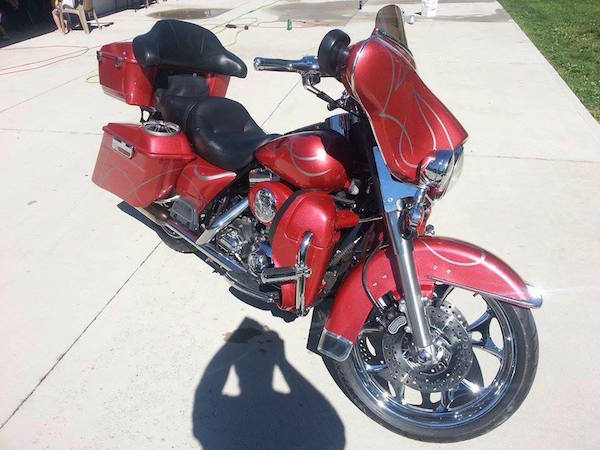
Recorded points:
111,340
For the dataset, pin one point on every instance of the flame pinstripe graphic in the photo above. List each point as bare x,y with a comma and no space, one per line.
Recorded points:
419,98
401,76
108,170
295,158
478,261
408,121
216,176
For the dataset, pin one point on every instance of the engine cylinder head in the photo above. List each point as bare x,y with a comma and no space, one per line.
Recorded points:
258,261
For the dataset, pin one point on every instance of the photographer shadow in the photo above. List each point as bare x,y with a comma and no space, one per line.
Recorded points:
259,416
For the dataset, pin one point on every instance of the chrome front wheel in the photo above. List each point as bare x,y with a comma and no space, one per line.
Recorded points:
488,358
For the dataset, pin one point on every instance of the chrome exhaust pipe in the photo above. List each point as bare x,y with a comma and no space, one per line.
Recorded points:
156,214
222,221
161,217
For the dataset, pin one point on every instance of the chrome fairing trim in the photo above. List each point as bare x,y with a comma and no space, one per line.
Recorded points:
392,191
334,346
534,302
356,58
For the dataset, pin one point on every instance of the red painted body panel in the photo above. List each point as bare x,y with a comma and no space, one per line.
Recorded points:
122,77
436,259
345,218
201,181
150,173
309,160
279,190
408,120
217,84
311,211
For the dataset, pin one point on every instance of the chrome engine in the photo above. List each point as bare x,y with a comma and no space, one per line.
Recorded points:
246,241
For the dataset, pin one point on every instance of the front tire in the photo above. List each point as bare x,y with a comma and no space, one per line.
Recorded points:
477,409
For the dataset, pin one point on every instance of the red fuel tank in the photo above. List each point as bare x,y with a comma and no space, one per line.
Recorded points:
309,160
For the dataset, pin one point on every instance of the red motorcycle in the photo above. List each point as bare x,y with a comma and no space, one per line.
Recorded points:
331,217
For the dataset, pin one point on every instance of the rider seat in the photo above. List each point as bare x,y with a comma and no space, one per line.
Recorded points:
184,47
220,129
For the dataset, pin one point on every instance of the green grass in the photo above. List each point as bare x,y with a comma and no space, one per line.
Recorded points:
567,32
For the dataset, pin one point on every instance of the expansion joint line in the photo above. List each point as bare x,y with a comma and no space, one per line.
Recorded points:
60,358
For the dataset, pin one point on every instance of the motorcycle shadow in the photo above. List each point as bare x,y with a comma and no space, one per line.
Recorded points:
251,413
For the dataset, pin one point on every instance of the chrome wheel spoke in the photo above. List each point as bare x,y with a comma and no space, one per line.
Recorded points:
376,368
481,324
445,400
399,390
469,386
488,345
426,401
442,294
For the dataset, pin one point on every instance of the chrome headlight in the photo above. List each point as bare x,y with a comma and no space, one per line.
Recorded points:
265,205
441,171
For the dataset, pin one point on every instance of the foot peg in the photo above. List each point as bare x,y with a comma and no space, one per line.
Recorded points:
283,274
298,273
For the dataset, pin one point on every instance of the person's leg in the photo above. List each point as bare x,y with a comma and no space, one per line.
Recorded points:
55,16
69,23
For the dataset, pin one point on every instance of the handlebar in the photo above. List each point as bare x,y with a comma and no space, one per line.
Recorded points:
333,53
304,65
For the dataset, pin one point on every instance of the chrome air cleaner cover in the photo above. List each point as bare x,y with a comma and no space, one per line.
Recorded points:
265,205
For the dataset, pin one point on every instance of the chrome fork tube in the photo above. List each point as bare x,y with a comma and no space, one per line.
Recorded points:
393,193
415,309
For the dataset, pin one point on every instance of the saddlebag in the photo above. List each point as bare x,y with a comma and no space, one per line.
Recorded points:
141,163
122,77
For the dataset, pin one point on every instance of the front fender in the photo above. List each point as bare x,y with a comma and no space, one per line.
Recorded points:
437,259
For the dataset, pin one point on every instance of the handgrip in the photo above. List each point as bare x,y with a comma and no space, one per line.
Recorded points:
303,65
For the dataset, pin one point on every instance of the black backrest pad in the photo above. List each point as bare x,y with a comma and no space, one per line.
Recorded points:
186,46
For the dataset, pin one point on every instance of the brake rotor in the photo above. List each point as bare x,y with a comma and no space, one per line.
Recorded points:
452,341
449,308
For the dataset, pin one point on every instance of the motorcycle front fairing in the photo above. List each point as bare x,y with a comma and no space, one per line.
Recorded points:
409,122
410,125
